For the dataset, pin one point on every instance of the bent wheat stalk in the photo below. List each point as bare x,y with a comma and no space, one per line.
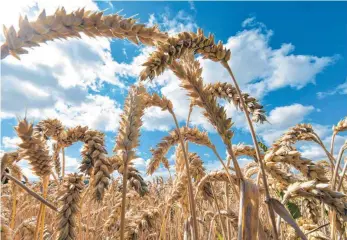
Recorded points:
62,25
256,146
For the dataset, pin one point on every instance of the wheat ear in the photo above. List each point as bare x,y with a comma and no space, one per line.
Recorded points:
302,132
128,138
62,25
34,149
134,177
175,47
290,156
228,92
69,208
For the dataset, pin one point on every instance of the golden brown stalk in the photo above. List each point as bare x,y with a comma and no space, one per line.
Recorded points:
5,232
340,127
64,25
128,139
63,153
256,146
30,191
69,206
219,213
45,182
228,92
34,149
249,210
343,173
338,162
17,173
190,187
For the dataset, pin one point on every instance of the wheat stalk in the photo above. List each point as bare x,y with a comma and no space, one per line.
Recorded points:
127,138
340,127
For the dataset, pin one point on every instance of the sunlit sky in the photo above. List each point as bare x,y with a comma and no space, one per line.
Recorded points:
290,55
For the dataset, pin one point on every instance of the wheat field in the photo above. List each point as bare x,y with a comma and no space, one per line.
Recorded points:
279,195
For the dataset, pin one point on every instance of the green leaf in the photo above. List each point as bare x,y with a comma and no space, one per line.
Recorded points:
263,146
294,210
219,236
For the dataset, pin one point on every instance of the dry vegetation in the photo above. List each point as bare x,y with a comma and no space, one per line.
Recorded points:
279,195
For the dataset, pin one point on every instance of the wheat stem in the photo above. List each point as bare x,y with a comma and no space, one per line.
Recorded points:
343,174
63,171
31,192
227,171
124,193
190,187
255,142
332,143
336,170
45,191
14,207
218,209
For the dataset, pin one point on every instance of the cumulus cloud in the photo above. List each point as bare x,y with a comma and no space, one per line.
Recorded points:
282,118
10,143
271,68
339,89
58,76
315,152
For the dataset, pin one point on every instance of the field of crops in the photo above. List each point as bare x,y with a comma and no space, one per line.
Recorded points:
279,195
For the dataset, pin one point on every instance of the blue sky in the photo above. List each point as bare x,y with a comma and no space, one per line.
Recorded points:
290,55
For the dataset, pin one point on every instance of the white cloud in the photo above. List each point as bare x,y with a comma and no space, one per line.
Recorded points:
96,111
71,164
139,163
313,151
10,143
282,118
339,89
271,68
56,76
